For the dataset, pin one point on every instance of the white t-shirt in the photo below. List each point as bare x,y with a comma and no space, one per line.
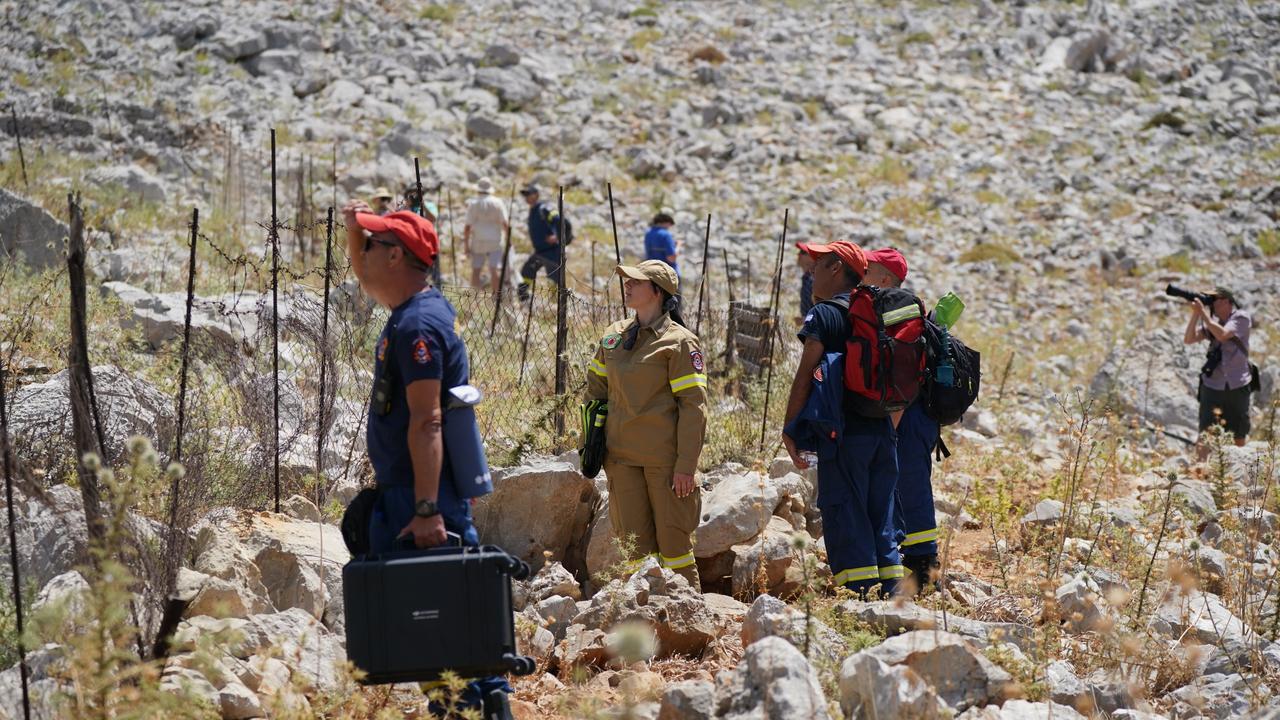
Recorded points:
486,216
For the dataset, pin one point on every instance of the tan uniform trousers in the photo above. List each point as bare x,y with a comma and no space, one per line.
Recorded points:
643,505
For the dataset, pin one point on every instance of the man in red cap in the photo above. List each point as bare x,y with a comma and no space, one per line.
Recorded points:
417,359
857,474
917,438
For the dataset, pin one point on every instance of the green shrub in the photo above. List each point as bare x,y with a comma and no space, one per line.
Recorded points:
1269,241
445,13
995,252
643,38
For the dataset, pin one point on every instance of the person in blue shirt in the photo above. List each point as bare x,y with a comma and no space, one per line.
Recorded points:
857,474
659,243
417,358
544,233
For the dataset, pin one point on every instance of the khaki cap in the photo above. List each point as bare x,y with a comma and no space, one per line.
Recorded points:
655,270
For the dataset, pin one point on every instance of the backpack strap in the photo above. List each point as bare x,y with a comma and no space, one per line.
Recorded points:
940,449
842,303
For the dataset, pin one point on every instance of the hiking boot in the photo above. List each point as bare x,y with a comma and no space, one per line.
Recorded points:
923,569
522,291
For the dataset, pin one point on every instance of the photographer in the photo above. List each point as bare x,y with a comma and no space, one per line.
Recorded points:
1225,377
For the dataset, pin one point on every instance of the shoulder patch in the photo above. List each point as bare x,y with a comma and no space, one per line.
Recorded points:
610,341
696,358
817,373
421,353
382,349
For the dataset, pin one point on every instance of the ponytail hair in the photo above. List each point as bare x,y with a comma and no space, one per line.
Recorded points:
671,306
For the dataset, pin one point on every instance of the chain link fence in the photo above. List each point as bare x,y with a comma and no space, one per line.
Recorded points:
235,441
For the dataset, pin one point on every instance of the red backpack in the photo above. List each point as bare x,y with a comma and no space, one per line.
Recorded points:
884,365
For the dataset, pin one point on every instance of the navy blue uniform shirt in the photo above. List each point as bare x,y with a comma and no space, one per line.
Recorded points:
543,221
420,342
829,324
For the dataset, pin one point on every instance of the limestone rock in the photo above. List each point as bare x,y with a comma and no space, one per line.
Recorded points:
663,600
960,675
737,509
774,555
551,581
546,506
1022,710
871,689
773,681
130,180
26,230
688,700
41,416
1046,512
770,617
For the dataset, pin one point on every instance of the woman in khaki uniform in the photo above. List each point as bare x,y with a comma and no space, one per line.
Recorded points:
651,371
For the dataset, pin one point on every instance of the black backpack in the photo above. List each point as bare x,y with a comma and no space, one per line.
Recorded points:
953,374
566,225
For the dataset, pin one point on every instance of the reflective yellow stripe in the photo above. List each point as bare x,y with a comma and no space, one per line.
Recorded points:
871,572
892,571
676,563
688,381
598,368
893,317
923,536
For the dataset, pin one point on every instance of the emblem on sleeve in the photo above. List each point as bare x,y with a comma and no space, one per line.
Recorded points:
610,341
421,353
696,357
817,373
382,349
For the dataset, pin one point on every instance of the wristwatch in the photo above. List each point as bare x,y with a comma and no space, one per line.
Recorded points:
426,509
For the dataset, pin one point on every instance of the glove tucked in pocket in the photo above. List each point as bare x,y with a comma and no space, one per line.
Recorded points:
594,414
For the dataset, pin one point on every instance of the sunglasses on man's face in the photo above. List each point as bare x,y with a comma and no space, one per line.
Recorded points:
372,240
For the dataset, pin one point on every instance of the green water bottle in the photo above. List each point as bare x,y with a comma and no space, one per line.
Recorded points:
948,310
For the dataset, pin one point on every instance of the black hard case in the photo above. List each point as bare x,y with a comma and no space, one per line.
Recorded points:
412,615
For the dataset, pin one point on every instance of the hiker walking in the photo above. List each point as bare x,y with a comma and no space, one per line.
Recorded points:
545,230
485,224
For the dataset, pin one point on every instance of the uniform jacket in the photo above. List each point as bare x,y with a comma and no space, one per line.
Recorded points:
657,394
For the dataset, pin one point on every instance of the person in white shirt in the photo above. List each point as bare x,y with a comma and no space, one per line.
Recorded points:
485,227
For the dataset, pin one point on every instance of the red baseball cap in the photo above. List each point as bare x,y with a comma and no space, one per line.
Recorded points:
416,232
849,253
892,261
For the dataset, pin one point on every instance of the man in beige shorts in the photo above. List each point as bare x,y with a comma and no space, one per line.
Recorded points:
486,225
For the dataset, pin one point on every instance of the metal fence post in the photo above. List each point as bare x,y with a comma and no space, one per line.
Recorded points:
562,324
773,332
13,541
275,328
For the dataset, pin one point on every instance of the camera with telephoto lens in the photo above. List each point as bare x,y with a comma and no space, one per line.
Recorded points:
1188,295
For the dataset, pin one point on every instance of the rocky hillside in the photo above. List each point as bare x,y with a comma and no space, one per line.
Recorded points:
1055,164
